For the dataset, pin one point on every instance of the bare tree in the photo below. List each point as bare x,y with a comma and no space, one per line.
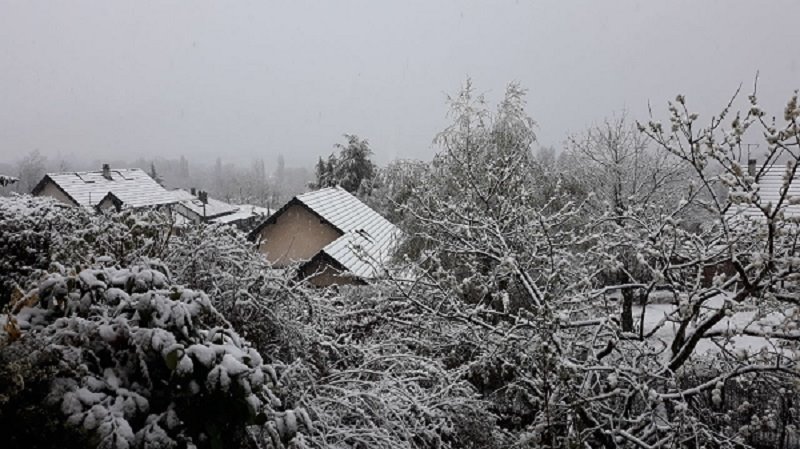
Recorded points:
624,175
31,169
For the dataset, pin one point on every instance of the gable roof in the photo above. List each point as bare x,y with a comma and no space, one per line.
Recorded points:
770,182
367,238
132,186
116,202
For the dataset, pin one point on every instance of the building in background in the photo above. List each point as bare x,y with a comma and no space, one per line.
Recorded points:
132,188
118,188
197,207
330,235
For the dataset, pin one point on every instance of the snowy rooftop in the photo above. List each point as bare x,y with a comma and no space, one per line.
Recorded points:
132,186
214,208
368,237
243,212
770,184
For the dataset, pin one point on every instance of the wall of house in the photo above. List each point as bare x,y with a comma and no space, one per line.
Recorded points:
321,274
187,213
51,190
107,205
296,235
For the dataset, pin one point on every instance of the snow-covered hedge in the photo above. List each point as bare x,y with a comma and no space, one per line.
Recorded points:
29,230
133,361
38,231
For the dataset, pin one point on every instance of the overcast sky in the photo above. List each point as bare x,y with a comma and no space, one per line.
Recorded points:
244,79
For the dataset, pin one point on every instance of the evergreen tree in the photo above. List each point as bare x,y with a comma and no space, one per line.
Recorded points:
351,169
355,166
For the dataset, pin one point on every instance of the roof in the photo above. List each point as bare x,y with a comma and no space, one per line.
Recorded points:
116,202
213,208
132,186
770,182
244,212
367,238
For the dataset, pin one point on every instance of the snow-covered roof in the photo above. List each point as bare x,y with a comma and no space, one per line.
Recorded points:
244,212
214,208
770,183
132,186
367,238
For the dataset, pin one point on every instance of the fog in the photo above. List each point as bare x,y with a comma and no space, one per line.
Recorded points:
246,79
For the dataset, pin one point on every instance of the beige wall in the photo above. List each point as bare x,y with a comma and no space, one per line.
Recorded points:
297,235
51,190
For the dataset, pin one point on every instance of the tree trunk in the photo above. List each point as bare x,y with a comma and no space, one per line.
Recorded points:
626,320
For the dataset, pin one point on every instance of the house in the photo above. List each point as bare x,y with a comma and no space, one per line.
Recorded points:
104,189
770,180
334,237
132,188
198,207
246,217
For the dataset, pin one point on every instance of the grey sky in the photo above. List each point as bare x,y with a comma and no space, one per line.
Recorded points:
244,79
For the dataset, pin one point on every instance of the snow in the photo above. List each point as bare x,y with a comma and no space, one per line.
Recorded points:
185,366
661,314
87,397
203,354
218,378
233,366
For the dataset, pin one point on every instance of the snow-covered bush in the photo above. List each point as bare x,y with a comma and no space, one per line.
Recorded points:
131,361
38,231
31,232
263,304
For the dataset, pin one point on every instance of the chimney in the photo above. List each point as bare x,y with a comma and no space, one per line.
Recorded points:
107,172
193,191
203,195
751,167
